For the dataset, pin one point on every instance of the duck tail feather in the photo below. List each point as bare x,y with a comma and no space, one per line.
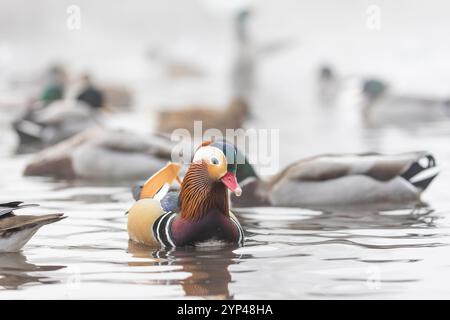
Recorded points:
422,171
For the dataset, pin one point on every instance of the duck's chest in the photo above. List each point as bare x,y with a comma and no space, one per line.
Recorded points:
214,229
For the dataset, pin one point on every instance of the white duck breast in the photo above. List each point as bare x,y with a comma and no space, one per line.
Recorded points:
14,241
353,179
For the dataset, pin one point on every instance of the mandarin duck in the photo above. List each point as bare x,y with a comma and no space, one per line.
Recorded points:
199,213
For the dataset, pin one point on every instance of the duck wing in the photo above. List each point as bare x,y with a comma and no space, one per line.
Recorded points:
15,231
16,223
60,111
170,202
124,141
377,166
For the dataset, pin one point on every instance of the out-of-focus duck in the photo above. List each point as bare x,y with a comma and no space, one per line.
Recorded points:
343,180
199,214
383,107
116,96
232,117
102,154
90,94
56,122
328,84
15,231
50,123
249,53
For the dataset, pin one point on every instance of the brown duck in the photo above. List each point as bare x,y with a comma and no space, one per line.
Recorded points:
232,117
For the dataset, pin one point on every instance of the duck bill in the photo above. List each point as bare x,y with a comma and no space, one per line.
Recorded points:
229,180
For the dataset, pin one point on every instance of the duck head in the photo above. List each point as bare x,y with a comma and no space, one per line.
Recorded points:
211,173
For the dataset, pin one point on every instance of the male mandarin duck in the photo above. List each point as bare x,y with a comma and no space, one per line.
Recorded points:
345,179
199,213
15,231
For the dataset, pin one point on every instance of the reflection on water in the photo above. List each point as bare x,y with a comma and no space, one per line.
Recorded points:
208,267
16,271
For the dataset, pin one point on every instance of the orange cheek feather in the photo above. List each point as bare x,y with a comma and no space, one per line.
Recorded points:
217,172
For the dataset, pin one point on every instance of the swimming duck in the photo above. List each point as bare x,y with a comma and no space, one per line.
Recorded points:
342,180
102,154
56,122
116,96
199,213
15,231
232,117
52,122
381,106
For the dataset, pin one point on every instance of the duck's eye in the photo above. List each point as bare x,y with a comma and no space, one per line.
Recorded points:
214,161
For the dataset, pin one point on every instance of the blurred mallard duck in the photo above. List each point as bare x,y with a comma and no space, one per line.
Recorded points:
382,106
61,119
15,231
56,122
232,117
102,154
345,179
